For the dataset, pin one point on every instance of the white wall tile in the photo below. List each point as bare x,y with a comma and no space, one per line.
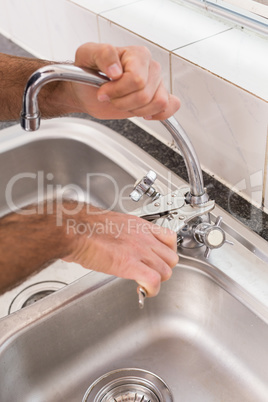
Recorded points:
69,26
232,55
5,28
97,6
165,23
29,26
227,125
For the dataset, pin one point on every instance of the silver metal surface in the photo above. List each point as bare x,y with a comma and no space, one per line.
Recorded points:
197,194
30,115
172,211
145,186
130,385
211,235
175,211
142,296
203,341
205,333
33,293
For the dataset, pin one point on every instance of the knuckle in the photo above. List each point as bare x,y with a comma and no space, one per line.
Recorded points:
155,279
106,50
139,82
144,98
166,272
161,102
161,98
174,260
144,51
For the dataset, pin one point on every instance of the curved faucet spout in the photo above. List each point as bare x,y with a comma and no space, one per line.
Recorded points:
30,117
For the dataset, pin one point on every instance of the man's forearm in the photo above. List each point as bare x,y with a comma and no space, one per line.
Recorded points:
28,243
14,74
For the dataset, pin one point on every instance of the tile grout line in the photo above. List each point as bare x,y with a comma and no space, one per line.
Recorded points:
117,7
203,39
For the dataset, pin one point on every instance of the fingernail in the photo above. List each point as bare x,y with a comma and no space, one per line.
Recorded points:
103,98
148,117
114,70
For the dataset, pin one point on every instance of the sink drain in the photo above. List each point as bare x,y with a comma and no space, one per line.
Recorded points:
132,385
33,293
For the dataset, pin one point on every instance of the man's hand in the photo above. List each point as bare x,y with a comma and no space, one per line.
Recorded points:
136,87
125,246
116,244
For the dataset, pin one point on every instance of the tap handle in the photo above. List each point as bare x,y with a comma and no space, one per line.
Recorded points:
212,236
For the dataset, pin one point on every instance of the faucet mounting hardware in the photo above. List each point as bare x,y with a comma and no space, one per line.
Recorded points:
172,210
144,186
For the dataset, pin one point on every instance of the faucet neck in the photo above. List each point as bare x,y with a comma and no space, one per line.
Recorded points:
198,194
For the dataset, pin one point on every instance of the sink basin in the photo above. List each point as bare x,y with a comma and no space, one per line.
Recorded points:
204,343
205,334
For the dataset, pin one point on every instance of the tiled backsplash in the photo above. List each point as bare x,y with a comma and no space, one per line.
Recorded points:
168,24
204,61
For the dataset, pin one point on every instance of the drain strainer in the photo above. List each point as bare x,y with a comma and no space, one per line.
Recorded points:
33,293
131,385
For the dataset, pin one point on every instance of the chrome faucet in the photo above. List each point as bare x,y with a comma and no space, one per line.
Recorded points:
30,117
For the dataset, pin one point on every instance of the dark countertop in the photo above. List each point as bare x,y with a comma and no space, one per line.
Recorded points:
233,203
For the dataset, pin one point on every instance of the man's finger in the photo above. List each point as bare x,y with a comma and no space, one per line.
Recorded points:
100,57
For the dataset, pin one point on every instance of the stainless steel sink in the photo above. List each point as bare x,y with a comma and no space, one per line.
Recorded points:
205,334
